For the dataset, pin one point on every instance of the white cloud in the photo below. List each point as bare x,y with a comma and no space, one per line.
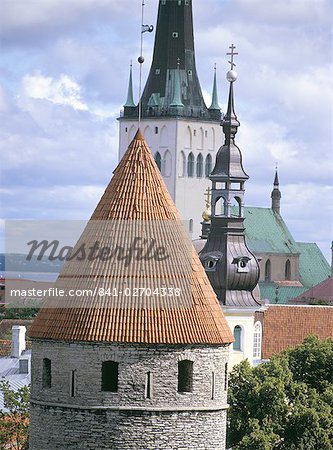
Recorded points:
61,91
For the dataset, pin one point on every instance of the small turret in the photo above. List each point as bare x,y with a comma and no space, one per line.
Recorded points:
215,107
276,194
130,107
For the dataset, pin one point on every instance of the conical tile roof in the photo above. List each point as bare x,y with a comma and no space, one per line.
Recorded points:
136,205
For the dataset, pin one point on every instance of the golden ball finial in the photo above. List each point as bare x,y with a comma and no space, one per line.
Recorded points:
206,215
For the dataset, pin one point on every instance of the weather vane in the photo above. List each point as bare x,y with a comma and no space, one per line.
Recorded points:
232,54
144,29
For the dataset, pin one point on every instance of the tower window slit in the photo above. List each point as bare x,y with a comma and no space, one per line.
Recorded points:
149,383
46,375
213,385
226,376
110,371
185,376
72,381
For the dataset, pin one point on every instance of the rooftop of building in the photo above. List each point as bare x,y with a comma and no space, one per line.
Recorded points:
287,326
136,194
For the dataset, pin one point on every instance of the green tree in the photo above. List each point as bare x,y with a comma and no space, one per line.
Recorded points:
14,421
286,403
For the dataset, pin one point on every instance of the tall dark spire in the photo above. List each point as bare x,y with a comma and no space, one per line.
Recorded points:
174,45
276,194
231,267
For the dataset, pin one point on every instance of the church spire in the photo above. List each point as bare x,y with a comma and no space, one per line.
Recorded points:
231,268
215,102
276,194
130,101
174,41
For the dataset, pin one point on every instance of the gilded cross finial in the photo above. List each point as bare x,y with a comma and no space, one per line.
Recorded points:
232,53
208,197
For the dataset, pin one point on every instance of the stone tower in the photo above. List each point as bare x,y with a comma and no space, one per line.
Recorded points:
115,369
182,132
276,195
229,264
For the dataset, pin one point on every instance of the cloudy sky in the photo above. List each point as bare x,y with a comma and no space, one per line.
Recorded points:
63,79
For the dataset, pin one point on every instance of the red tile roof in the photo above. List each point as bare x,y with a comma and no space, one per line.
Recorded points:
322,291
137,193
286,326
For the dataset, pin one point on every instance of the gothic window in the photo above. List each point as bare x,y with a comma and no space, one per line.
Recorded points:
199,165
190,165
182,164
238,338
110,376
287,270
185,376
201,139
167,164
208,165
257,340
188,138
238,207
156,130
268,268
46,375
149,384
158,160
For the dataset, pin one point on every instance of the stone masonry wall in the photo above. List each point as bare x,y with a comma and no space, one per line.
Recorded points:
94,419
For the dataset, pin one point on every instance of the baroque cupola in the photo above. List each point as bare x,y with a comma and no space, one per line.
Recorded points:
230,266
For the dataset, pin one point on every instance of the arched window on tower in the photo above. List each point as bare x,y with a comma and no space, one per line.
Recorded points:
238,338
190,165
185,376
287,270
110,371
208,165
167,164
257,338
199,166
268,268
158,160
182,164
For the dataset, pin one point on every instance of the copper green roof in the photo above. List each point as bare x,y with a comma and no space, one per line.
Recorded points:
266,232
313,266
285,293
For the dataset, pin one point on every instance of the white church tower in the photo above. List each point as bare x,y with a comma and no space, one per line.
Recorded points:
182,132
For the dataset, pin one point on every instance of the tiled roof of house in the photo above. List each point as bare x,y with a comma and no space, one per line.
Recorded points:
286,326
266,232
313,266
322,291
136,194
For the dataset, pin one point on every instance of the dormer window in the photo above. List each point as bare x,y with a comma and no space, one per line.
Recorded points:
211,260
242,264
